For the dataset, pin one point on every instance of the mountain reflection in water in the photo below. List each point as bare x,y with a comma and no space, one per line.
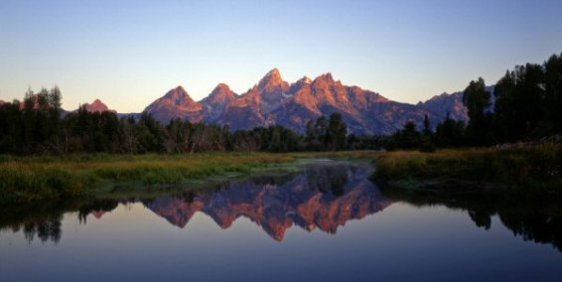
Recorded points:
323,197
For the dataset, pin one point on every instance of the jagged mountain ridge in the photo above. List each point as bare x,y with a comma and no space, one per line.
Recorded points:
274,101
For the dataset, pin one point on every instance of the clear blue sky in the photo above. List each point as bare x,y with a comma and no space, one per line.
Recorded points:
129,53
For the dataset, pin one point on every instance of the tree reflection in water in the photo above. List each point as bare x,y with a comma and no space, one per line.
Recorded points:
47,229
529,217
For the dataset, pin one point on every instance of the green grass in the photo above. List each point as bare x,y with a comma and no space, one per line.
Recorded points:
25,179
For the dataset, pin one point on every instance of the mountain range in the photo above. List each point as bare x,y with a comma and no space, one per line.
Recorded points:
273,101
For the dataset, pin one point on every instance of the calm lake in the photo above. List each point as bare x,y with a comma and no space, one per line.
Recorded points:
327,222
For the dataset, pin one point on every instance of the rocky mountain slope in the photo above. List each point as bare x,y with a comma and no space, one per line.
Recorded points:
175,104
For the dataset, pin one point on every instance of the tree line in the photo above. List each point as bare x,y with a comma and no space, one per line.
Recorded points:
526,105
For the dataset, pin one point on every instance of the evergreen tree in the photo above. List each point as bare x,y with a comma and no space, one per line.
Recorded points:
522,111
336,133
553,94
408,137
477,100
450,133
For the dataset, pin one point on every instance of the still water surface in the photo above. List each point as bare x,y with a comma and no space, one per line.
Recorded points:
328,222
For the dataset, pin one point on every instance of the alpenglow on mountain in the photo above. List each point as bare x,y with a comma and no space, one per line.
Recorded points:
273,101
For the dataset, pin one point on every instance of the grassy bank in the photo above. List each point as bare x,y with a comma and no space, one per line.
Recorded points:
525,169
25,179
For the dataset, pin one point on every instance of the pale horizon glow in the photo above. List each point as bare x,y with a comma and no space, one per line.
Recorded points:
129,53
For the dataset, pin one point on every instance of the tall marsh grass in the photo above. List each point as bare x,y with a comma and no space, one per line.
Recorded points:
531,166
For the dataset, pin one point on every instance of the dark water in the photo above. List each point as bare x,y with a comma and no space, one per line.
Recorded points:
325,223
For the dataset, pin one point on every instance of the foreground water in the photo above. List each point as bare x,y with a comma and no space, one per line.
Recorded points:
327,222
